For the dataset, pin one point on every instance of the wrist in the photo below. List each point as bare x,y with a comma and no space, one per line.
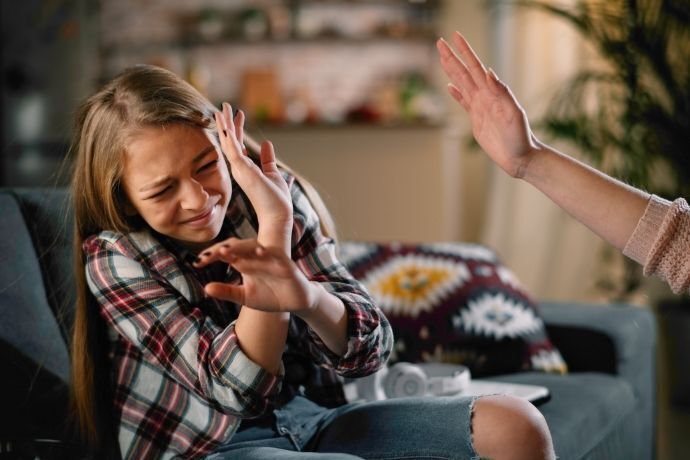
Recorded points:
315,297
533,159
278,240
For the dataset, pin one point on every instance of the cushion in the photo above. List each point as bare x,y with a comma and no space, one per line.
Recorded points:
455,303
32,349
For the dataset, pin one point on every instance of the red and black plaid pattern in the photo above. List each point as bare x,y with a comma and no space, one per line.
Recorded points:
182,383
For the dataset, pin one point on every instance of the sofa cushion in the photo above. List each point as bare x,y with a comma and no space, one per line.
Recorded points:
454,302
48,217
32,348
590,415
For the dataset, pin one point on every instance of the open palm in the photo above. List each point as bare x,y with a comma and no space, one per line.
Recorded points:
499,124
270,279
264,186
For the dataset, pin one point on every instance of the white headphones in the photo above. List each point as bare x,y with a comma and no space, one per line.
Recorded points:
406,379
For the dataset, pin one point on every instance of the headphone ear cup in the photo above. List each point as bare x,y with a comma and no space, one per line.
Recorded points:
370,388
404,380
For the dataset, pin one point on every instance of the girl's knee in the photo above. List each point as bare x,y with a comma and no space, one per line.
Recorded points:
506,427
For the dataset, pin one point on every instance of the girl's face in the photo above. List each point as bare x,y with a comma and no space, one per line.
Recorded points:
178,183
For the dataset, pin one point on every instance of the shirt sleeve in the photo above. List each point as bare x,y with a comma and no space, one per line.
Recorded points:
661,242
370,337
143,308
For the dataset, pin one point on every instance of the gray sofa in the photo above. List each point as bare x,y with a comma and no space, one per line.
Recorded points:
603,409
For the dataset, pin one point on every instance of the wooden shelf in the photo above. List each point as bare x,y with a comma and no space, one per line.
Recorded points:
422,39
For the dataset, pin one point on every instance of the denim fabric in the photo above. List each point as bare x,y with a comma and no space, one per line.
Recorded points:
411,428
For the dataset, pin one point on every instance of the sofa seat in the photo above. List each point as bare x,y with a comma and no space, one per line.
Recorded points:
586,413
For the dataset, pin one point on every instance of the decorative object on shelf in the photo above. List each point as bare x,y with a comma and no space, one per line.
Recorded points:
325,57
261,97
210,25
254,24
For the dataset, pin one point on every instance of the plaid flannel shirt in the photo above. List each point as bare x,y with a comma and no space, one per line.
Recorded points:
182,383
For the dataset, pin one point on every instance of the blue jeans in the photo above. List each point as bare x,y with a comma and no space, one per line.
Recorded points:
427,428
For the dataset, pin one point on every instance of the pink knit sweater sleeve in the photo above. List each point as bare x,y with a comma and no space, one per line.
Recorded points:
661,242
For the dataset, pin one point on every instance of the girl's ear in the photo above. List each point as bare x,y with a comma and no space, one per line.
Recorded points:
130,211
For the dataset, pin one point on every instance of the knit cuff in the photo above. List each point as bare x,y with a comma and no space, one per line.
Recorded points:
645,234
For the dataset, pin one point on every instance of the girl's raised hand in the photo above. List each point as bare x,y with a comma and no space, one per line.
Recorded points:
270,279
264,186
499,124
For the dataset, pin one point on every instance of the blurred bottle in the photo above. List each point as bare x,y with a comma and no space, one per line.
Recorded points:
198,75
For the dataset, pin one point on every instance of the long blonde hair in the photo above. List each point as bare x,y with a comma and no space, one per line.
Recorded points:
141,96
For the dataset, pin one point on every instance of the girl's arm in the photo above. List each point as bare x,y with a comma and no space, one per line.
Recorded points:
171,329
345,330
607,206
261,334
328,319
291,268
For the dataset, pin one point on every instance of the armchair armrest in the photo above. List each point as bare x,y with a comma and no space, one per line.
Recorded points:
616,339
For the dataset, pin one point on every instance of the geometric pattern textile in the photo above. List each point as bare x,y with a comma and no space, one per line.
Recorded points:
454,303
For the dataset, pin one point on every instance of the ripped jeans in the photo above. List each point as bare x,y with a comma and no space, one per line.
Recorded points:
428,428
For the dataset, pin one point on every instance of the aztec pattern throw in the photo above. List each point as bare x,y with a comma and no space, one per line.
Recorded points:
455,303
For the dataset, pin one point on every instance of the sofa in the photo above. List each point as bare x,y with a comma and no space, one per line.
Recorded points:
603,408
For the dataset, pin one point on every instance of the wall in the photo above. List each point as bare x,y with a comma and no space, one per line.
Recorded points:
48,62
380,184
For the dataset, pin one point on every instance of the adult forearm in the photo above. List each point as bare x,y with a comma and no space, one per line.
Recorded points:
262,336
610,208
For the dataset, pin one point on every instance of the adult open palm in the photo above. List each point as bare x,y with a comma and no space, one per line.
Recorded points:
499,124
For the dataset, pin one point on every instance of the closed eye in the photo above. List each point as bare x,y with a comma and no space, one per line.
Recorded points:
159,194
208,166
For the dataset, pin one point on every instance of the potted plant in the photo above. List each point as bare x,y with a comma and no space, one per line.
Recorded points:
631,115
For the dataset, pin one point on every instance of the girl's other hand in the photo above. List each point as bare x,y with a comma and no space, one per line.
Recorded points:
499,124
264,186
270,279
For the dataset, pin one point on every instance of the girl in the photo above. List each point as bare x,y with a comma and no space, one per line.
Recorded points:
214,319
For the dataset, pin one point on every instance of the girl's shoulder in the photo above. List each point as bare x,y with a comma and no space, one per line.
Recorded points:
131,244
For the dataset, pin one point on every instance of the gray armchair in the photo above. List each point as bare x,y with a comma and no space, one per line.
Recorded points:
603,409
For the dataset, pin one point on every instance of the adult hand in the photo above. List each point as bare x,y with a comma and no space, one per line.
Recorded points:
499,124
265,187
270,279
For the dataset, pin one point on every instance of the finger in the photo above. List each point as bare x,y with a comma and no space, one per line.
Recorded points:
225,291
454,67
457,95
475,66
223,136
227,116
225,251
268,158
256,264
239,129
495,85
499,88
230,145
493,82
